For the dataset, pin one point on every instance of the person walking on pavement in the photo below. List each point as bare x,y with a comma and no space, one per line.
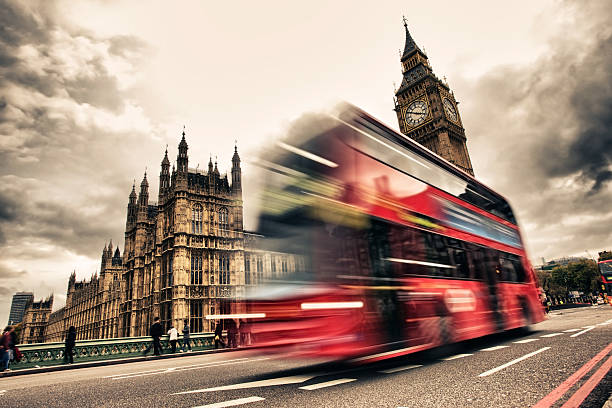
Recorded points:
69,345
186,334
173,333
12,342
232,333
4,349
219,336
156,332
245,333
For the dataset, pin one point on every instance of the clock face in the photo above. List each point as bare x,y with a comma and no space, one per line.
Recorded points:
449,108
416,113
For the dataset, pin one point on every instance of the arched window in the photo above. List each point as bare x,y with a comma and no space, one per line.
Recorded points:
223,221
196,219
224,274
196,267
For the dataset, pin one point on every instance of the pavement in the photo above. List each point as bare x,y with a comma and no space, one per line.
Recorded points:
563,361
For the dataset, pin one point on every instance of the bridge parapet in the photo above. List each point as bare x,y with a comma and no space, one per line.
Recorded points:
46,354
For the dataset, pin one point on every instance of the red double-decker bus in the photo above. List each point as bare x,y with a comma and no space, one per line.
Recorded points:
605,269
395,249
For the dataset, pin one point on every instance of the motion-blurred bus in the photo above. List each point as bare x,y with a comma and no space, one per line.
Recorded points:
396,249
605,269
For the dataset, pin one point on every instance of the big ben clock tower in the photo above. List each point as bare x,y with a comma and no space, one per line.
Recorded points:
426,108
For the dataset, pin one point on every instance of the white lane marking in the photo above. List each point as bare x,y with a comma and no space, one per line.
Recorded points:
525,341
603,324
456,356
184,369
294,379
179,367
327,384
398,369
516,360
570,330
583,331
494,348
388,353
232,403
552,335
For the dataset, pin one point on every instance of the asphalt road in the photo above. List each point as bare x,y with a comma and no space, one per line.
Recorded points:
571,353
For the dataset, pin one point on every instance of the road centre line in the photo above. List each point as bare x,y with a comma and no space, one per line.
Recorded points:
456,356
232,403
525,341
552,335
398,369
494,348
570,330
558,392
171,370
392,353
327,384
294,379
583,331
588,386
509,363
174,368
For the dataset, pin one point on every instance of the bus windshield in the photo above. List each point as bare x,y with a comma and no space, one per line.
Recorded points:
606,270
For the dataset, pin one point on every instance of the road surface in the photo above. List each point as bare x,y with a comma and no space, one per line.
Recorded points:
565,359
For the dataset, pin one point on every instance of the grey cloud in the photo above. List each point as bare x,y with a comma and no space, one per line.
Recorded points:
542,134
8,273
124,44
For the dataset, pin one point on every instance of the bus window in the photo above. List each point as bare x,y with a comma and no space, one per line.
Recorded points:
436,250
512,268
459,258
508,274
477,262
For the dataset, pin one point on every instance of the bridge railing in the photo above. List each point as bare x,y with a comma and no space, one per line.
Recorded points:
45,354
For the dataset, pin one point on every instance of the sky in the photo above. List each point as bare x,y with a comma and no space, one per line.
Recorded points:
91,92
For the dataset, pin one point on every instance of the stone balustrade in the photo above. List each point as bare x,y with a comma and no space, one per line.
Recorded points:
45,354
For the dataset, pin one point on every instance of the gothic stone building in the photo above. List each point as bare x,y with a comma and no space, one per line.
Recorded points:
427,110
35,320
183,256
92,307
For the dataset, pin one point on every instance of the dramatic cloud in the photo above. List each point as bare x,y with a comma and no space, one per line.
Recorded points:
68,131
542,134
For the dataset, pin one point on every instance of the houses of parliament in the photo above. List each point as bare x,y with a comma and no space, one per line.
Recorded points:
187,255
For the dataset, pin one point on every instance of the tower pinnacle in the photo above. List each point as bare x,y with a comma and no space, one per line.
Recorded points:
410,45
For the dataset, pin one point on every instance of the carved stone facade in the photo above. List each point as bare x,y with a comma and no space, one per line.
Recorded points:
92,307
35,321
183,256
427,110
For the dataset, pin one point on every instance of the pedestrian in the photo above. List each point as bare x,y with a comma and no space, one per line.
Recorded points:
156,332
173,333
219,336
69,345
232,333
13,350
4,349
245,333
186,335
